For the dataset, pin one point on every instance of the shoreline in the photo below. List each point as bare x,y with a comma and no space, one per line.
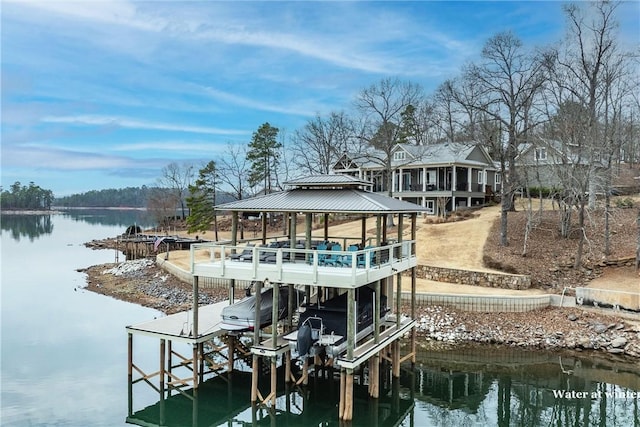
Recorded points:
579,329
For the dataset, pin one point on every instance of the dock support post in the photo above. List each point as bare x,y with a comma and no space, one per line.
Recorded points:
230,352
374,376
130,372
256,339
162,379
305,371
274,380
169,357
287,367
351,322
201,360
196,364
396,358
254,379
347,413
343,377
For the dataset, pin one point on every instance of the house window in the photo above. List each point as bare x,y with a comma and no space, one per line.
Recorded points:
498,178
541,154
399,155
480,177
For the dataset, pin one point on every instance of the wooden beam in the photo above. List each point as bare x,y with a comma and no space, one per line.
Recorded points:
254,379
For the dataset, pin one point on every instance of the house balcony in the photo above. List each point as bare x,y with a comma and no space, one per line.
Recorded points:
339,269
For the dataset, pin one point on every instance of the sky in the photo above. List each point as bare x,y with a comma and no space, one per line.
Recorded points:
104,94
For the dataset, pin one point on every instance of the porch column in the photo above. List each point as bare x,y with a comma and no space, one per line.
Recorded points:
454,185
393,180
469,179
424,179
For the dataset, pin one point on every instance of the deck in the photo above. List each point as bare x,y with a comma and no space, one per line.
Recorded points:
346,269
178,327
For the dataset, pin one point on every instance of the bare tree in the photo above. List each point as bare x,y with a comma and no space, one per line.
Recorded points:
177,178
161,204
234,170
381,106
321,142
507,82
445,105
583,72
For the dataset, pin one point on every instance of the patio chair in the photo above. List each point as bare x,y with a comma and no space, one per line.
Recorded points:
333,259
347,259
362,259
247,251
321,256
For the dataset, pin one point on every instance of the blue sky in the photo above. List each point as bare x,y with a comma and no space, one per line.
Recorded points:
104,94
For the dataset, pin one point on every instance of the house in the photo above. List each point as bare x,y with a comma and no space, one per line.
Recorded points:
550,164
439,177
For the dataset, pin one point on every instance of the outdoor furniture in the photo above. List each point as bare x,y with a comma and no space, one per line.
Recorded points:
362,259
247,251
347,259
333,258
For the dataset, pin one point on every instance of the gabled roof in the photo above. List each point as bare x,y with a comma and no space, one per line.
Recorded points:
318,200
432,154
336,180
324,194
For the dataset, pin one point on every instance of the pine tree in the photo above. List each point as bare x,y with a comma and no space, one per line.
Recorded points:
202,200
264,155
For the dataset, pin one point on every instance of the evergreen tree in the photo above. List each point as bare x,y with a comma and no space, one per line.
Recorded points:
202,199
264,155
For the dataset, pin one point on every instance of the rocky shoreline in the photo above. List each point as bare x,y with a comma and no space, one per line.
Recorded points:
580,329
552,328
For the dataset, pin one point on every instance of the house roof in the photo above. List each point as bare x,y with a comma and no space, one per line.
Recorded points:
432,154
557,153
323,200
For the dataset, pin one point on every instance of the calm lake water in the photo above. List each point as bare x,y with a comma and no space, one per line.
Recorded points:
64,359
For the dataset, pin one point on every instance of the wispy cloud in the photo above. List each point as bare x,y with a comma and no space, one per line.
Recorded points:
122,122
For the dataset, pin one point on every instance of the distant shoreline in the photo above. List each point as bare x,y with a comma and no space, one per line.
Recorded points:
60,209
30,212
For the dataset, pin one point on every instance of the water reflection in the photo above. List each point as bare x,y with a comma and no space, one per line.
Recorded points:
117,217
495,386
26,226
224,400
478,386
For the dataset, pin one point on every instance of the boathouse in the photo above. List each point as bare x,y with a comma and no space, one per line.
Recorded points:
310,262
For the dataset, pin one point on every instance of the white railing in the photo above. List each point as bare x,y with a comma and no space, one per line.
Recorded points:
303,266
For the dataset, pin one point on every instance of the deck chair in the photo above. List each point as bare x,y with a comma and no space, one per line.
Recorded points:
347,259
362,259
321,257
333,259
247,251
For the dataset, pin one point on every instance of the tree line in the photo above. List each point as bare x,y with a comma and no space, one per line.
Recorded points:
26,197
130,197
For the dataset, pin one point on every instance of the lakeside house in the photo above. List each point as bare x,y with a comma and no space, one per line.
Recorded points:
439,177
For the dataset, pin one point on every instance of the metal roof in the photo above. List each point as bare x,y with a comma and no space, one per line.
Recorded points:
336,180
343,200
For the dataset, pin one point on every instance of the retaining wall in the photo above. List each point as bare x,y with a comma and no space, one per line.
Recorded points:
472,277
608,298
483,303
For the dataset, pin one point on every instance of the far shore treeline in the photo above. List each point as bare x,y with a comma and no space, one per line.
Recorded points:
34,197
26,197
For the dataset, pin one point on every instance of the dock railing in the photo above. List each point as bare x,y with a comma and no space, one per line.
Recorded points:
347,268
